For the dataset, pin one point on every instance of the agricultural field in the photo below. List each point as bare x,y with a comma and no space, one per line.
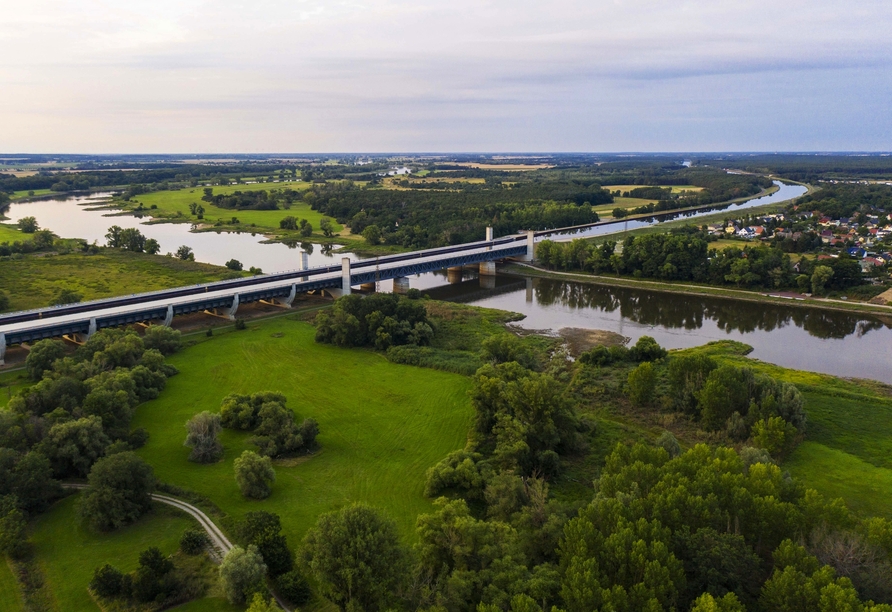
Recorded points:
176,203
675,188
108,273
26,193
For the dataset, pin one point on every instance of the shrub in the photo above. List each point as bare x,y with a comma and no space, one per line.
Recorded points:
120,491
646,349
42,356
164,339
642,384
202,430
107,581
194,541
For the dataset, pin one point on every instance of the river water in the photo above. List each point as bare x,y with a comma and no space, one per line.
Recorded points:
843,344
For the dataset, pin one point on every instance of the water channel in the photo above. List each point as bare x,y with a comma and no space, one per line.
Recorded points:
844,344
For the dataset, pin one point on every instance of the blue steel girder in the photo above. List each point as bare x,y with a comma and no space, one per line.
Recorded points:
409,269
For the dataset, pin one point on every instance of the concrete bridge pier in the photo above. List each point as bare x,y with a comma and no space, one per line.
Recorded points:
454,274
2,349
487,281
489,238
400,285
531,247
168,318
225,313
487,268
304,263
529,295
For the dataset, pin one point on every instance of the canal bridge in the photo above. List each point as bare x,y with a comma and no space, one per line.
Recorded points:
224,297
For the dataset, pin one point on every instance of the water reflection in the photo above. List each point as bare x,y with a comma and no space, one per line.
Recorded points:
839,343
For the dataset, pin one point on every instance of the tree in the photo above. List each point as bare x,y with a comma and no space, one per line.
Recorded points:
42,356
12,526
28,225
264,530
259,603
774,435
241,573
642,384
669,443
254,475
372,234
107,581
162,338
185,253
193,541
356,557
819,279
203,429
326,226
306,229
294,587
234,264
276,434
708,603
30,478
120,491
74,446
152,247
289,223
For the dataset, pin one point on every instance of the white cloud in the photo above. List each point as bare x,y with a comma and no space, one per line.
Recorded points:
319,75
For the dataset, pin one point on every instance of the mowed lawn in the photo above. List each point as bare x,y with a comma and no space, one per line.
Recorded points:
170,203
9,590
382,425
36,280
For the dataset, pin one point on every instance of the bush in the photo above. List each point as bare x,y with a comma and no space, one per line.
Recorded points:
646,349
234,264
240,324
254,475
642,384
294,588
107,582
194,541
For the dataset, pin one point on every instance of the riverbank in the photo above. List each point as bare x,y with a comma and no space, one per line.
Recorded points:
700,290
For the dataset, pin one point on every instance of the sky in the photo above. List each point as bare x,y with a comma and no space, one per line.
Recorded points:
195,76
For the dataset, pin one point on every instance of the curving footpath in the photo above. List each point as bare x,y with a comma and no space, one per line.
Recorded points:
221,544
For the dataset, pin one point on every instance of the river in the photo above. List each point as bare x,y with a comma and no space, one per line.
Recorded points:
843,344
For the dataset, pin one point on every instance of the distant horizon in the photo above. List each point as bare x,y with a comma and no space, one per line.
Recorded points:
390,75
9,156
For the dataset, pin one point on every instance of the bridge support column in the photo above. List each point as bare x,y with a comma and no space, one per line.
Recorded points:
487,268
345,276
284,302
489,234
168,318
454,274
304,263
229,313
487,281
2,349
400,285
531,247
92,329
369,287
529,295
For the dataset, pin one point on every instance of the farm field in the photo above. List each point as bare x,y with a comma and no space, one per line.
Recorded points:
382,425
675,188
108,273
176,203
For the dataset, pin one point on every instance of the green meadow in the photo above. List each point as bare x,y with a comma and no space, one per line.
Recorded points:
176,203
11,233
35,280
382,425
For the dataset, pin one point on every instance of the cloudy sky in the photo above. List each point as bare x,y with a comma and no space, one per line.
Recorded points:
118,76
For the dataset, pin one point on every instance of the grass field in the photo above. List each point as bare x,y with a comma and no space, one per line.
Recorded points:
17,195
69,551
382,425
675,188
170,203
35,280
10,596
10,233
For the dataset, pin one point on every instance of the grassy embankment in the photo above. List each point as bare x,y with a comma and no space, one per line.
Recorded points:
11,233
848,448
35,280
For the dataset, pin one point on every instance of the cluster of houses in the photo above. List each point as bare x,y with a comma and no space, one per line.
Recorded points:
862,241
